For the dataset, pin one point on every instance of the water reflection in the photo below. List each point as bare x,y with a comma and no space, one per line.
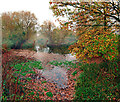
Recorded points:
46,50
70,57
38,49
56,75
53,73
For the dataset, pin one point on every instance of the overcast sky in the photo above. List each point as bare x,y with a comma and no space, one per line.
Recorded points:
39,7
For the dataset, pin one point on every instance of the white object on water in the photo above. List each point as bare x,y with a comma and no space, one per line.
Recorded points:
46,49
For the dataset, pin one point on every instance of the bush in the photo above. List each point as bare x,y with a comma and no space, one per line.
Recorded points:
17,39
9,43
14,40
98,82
27,45
96,42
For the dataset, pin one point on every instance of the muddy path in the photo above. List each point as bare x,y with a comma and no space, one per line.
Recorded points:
42,56
57,80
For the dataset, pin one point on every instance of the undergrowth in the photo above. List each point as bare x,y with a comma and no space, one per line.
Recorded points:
96,82
99,81
65,64
14,80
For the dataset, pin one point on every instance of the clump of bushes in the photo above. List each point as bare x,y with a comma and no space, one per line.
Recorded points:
98,81
9,43
96,42
18,41
28,45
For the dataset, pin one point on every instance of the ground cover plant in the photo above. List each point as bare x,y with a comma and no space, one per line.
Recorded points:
96,82
65,63
15,70
99,81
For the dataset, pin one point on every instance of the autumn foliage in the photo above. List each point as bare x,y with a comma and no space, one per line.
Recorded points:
95,24
54,34
95,43
18,27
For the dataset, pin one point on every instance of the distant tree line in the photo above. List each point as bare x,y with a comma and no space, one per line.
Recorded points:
18,27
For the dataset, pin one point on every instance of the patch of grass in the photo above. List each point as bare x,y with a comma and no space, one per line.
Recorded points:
43,81
49,94
75,72
65,64
45,89
55,63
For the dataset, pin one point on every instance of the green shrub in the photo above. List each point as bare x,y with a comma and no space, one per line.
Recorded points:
8,42
17,39
98,82
27,45
49,94
75,72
